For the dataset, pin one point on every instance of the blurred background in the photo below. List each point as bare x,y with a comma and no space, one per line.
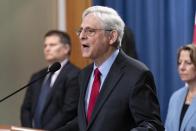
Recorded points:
159,28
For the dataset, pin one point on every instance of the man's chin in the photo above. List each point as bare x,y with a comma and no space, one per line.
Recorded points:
85,56
51,61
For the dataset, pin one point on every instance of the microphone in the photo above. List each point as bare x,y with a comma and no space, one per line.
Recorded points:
54,67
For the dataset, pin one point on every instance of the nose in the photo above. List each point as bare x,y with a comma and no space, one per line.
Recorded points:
181,66
46,48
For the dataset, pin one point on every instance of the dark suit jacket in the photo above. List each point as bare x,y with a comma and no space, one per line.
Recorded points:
128,43
127,100
61,105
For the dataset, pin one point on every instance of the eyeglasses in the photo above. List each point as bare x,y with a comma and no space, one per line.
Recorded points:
90,31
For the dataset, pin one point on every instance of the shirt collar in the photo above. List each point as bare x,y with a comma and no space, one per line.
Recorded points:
62,64
105,67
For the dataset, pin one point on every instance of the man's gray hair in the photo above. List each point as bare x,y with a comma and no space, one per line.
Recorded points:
109,18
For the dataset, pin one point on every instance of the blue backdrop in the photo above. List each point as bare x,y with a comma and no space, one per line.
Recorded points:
160,28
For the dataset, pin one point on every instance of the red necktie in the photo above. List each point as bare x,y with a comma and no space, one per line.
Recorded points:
94,93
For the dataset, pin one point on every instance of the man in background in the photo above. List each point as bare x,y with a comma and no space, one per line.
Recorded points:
51,102
128,43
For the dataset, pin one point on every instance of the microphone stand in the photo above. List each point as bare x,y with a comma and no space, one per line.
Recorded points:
56,66
31,82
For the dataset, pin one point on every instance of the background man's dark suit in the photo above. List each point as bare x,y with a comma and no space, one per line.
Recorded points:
127,98
61,106
128,43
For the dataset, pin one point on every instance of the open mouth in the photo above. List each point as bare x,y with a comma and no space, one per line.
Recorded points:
85,46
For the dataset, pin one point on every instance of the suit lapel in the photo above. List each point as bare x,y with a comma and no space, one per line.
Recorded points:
58,81
84,85
62,74
189,114
114,75
180,103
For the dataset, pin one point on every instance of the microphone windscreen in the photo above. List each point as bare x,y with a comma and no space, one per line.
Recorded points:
54,67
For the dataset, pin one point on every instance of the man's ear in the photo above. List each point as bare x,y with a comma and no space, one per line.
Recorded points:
67,48
113,37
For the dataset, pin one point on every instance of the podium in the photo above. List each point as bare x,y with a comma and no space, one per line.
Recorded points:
16,128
